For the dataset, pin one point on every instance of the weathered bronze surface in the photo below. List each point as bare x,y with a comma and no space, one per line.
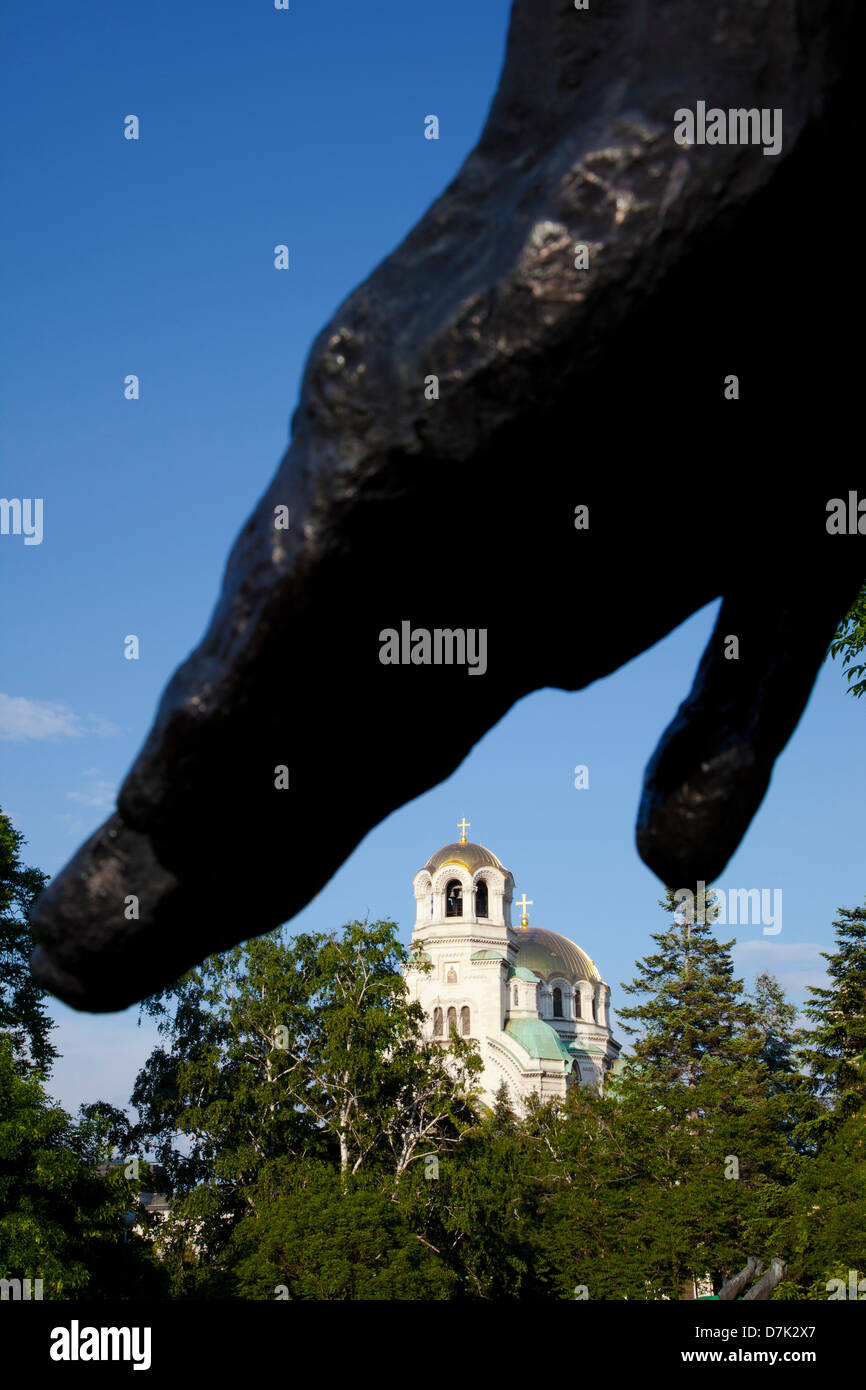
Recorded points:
558,387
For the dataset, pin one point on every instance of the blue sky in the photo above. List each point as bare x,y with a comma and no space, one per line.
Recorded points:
155,257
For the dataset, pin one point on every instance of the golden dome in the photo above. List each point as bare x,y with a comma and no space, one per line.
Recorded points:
547,953
470,855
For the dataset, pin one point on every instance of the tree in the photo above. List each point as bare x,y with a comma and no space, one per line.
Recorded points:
363,1066
314,1234
850,641
696,1116
826,1229
694,1009
61,1218
835,1049
307,1050
106,1133
775,1020
309,1047
653,1187
503,1114
483,1212
22,1004
596,1189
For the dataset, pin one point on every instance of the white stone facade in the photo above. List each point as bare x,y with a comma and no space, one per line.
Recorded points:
533,1001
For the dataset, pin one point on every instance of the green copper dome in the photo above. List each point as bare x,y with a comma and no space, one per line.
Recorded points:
521,973
538,1039
547,953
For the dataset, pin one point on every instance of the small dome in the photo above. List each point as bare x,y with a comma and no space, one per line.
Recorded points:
547,953
538,1039
470,855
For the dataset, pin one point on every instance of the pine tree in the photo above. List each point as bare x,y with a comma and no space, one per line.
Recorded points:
825,1232
694,1009
700,1126
775,1021
775,1018
502,1114
835,1050
22,1003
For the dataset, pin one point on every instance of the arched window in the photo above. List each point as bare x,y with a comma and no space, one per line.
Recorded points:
454,899
464,1020
452,1020
577,1013
557,1002
514,996
481,899
437,1023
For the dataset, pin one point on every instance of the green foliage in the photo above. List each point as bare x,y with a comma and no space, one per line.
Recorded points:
309,1171
646,1197
775,1019
307,1049
703,1110
835,1050
61,1220
321,1147
484,1212
825,1232
693,1009
850,641
313,1235
105,1133
22,1004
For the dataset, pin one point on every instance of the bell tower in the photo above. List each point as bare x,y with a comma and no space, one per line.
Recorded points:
463,928
461,890
532,1000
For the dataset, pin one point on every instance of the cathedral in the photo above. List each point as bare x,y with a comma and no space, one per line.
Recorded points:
532,1000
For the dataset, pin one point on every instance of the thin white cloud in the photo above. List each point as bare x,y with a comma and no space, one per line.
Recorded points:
103,728
74,824
22,719
796,964
99,792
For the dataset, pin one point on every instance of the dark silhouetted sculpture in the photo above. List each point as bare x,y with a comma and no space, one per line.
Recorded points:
764,1283
597,378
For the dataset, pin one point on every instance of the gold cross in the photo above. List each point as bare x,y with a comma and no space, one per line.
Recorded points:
463,825
523,904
